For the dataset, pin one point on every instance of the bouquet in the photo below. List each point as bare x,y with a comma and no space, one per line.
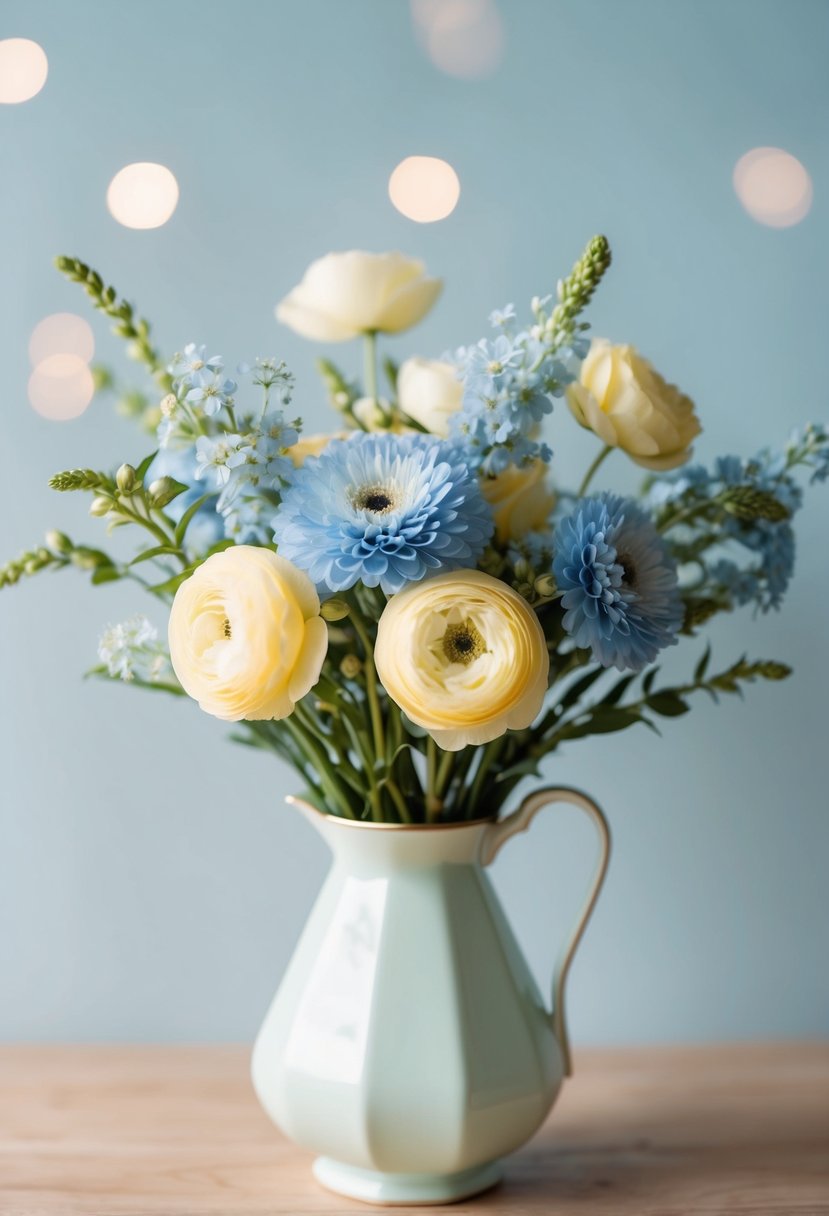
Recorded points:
414,610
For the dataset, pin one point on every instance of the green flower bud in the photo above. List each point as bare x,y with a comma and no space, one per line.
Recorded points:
161,491
351,666
100,505
125,479
334,610
545,586
58,542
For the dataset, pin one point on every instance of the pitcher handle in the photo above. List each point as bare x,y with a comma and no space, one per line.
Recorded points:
499,833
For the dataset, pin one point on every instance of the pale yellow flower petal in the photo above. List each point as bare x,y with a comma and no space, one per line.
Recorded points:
246,638
626,402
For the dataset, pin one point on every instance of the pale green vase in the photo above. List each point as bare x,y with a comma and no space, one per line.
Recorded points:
408,1046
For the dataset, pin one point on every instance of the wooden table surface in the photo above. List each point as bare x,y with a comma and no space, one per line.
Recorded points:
145,1131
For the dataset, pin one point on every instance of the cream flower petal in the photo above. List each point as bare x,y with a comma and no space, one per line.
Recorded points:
298,314
409,304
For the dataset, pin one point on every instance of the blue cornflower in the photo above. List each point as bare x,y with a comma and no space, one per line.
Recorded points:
489,364
192,360
619,583
217,456
502,318
211,390
247,521
384,510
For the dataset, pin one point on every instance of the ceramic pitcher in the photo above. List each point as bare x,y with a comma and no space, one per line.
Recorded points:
408,1046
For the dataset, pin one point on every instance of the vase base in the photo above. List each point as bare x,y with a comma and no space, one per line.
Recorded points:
404,1190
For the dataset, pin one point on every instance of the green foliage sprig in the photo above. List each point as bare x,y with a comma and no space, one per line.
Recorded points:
127,325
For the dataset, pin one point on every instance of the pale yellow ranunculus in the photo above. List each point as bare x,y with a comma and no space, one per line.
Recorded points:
520,498
429,391
464,656
246,637
344,295
621,397
312,445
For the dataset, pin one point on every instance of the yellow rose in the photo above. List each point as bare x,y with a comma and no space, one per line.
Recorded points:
429,391
346,294
464,656
246,637
626,402
521,500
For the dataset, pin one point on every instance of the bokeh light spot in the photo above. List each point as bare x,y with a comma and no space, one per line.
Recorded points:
773,186
61,387
424,188
23,69
461,37
143,195
62,333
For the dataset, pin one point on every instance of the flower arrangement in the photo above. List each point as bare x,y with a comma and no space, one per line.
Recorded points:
413,611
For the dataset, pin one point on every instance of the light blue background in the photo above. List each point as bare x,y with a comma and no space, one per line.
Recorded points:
152,884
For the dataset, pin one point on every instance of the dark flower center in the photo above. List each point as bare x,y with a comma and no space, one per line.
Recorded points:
628,568
463,643
226,628
373,498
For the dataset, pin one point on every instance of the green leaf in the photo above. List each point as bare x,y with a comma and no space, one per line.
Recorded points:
391,369
603,722
157,551
525,768
141,471
647,683
106,574
618,690
702,666
668,704
171,585
575,691
184,523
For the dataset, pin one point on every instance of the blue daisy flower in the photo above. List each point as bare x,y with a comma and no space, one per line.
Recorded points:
619,583
385,510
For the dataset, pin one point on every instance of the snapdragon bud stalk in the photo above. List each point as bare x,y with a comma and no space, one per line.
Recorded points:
58,542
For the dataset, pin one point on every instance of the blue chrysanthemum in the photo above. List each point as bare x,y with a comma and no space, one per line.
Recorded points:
621,596
384,510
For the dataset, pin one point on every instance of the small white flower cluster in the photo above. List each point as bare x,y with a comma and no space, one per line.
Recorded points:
132,648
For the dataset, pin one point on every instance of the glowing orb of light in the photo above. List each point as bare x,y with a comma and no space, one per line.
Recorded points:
424,188
773,186
61,387
23,69
461,37
62,333
142,195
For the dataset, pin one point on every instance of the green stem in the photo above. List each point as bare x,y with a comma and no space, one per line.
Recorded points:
398,800
370,363
588,477
321,763
489,754
371,684
443,773
434,804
